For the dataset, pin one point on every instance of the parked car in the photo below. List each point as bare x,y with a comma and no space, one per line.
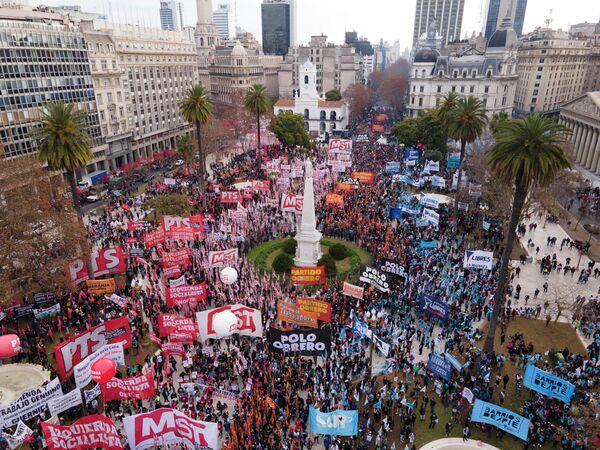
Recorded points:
179,162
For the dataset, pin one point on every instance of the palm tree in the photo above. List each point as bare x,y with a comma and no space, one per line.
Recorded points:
497,119
257,101
197,108
185,149
64,143
528,152
467,123
444,113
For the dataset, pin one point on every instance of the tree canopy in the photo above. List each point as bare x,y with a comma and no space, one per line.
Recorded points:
289,129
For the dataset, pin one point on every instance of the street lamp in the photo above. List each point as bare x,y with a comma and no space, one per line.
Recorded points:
593,229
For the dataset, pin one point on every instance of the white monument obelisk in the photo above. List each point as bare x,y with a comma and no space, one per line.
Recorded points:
308,251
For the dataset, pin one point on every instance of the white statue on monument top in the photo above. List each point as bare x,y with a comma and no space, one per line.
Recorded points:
308,169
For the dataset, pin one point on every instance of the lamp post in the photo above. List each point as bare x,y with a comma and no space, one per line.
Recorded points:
371,318
593,229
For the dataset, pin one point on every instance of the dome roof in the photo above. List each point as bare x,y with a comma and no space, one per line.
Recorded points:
238,50
503,38
427,55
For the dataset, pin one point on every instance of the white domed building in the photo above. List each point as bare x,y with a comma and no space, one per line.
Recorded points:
320,115
490,76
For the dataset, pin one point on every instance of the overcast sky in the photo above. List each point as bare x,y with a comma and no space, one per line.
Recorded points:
388,19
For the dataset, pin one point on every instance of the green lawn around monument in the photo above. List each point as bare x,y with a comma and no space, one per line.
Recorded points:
264,254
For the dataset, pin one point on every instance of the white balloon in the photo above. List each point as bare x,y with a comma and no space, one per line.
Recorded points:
229,275
225,324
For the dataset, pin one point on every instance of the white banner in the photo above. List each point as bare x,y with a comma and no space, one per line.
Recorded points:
30,404
60,404
92,393
167,426
222,258
431,216
468,394
432,166
177,282
83,370
249,321
16,439
292,203
478,259
430,201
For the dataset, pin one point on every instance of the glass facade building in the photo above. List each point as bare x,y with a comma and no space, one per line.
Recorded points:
497,10
276,28
41,62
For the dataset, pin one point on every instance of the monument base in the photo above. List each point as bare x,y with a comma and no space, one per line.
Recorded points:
308,251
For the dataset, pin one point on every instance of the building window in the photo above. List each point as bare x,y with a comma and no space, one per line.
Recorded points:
323,115
323,126
441,73
421,88
464,73
486,89
306,114
455,74
488,74
453,88
305,79
420,102
439,89
472,89
332,115
462,89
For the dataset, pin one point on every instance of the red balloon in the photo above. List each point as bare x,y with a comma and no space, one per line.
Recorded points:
10,345
103,370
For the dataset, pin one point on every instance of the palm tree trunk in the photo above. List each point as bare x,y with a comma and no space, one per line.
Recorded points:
517,208
202,163
463,145
76,200
259,153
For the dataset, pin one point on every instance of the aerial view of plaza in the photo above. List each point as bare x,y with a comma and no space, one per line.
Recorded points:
300,224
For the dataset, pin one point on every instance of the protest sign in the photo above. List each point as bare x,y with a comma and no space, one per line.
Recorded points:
353,291
292,203
430,201
167,427
67,401
222,257
439,366
433,305
548,384
91,394
291,313
302,342
139,388
77,271
101,287
319,309
188,294
362,330
393,267
175,258
249,321
501,418
364,177
76,349
89,432
340,145
18,437
392,167
375,278
308,275
172,323
336,423
83,370
478,259
30,404
231,197
107,261
431,217
51,311
332,199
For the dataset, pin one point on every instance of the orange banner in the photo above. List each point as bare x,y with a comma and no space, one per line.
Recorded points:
316,308
378,128
353,291
364,177
291,313
101,287
345,187
308,275
334,199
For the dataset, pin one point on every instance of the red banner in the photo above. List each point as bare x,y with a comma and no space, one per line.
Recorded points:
135,225
107,261
171,272
260,185
184,295
340,145
378,128
345,187
364,177
353,291
171,348
77,271
315,308
222,258
292,203
94,431
172,323
138,388
176,258
334,199
308,275
231,197
70,353
182,233
154,238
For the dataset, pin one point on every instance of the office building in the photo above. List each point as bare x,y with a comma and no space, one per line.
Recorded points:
74,12
490,76
448,15
583,30
171,15
207,38
43,58
225,20
497,10
140,77
319,115
338,66
552,70
582,116
278,26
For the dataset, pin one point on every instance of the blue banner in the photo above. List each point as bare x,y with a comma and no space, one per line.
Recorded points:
455,363
411,154
433,305
409,209
438,181
548,384
502,418
439,366
453,161
336,423
395,213
428,244
392,167
485,225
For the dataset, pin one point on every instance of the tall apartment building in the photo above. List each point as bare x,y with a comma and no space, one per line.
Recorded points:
43,58
497,10
140,77
171,15
278,26
338,66
225,20
552,70
447,13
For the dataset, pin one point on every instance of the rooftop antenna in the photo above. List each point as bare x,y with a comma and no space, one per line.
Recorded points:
549,19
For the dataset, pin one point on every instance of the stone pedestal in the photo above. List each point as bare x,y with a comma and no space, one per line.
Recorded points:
308,238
